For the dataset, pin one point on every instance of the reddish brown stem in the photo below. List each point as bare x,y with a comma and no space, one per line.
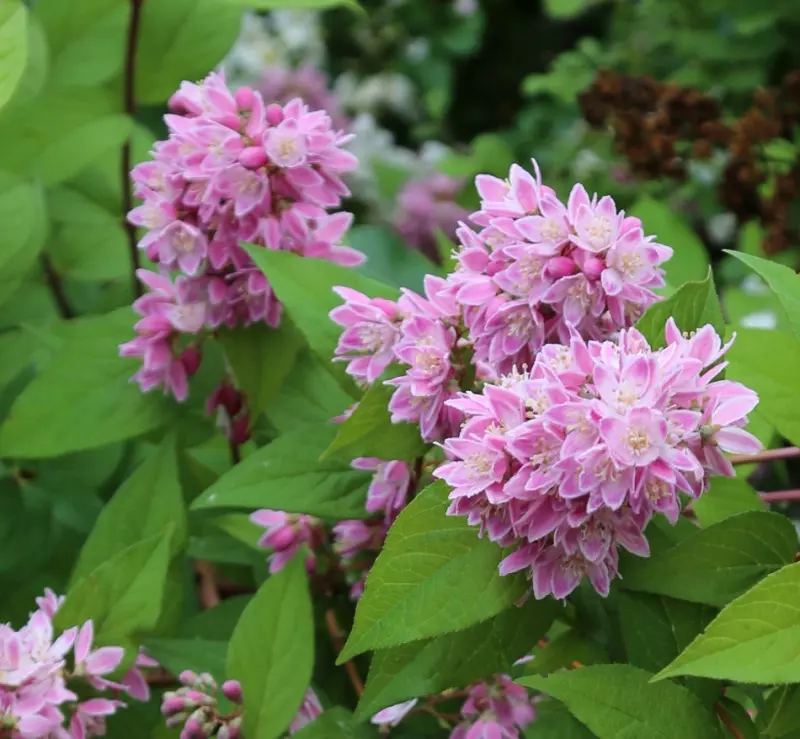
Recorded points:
780,495
728,721
129,103
209,595
768,455
338,644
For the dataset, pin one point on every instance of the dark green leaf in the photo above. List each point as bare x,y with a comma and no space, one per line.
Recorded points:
272,652
454,660
563,651
726,497
617,701
287,475
198,655
336,723
692,306
554,721
433,576
717,563
781,715
148,501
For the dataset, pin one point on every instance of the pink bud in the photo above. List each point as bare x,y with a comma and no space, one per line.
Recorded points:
244,98
559,267
240,430
191,359
187,677
282,538
274,114
593,268
253,157
173,704
193,729
232,690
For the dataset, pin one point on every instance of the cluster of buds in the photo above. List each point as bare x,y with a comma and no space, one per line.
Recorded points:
194,707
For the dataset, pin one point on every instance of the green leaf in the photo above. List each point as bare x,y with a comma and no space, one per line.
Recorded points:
554,721
305,287
389,258
784,282
309,395
564,9
287,475
692,306
753,639
336,723
261,358
86,39
781,715
87,242
294,4
433,576
123,596
181,40
198,655
13,47
369,432
718,563
272,652
451,660
24,228
147,502
616,701
690,260
89,126
725,498
83,398
567,648
765,361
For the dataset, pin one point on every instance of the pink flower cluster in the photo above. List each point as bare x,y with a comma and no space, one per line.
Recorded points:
286,534
419,333
194,707
283,84
426,205
37,675
539,269
234,169
572,459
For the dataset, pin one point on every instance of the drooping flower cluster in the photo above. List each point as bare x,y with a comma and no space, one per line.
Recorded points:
538,268
38,672
499,709
286,534
572,459
234,169
426,205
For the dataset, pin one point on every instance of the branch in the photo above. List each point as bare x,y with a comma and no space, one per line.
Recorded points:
768,455
338,644
53,280
209,595
728,721
130,109
780,496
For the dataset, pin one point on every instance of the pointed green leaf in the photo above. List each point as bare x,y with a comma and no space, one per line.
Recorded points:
619,701
336,723
432,665
567,648
148,501
433,576
287,475
554,721
13,47
717,563
261,358
784,282
272,652
198,655
726,497
753,639
692,306
123,596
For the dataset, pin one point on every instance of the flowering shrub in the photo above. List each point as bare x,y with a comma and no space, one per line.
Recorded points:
317,435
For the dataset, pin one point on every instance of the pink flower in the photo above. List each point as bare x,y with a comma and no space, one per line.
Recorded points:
285,533
389,488
393,715
310,709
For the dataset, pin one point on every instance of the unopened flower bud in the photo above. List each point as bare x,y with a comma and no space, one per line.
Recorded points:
187,677
274,114
559,267
176,720
593,268
191,358
240,430
244,98
232,690
193,729
253,157
173,704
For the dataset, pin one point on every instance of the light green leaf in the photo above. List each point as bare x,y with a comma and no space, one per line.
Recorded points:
13,47
725,498
261,358
718,563
287,475
181,40
619,701
692,306
148,501
305,287
766,361
23,216
87,242
86,39
336,723
272,652
784,282
690,260
123,596
369,432
453,660
433,576
198,655
753,639
83,398
563,9
36,66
